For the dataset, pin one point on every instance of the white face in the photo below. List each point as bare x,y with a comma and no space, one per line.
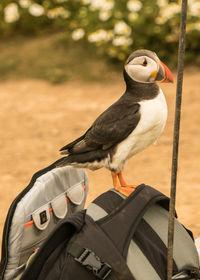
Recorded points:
142,69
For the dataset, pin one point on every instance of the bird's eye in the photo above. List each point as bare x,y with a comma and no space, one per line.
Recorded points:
144,62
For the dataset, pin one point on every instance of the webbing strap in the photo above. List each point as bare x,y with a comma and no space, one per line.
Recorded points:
88,259
157,218
153,248
129,214
93,245
139,265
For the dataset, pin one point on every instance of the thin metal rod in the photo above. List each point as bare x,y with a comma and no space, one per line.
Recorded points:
176,139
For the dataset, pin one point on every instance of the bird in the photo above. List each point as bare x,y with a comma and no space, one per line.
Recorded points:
129,125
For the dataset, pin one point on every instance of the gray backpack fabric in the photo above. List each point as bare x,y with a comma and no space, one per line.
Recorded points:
52,194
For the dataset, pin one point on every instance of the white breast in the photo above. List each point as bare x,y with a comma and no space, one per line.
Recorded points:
152,122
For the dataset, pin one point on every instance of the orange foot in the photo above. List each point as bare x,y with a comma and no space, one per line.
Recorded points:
123,187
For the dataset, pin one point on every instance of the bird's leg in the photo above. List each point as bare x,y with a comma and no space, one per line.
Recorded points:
115,180
124,189
123,182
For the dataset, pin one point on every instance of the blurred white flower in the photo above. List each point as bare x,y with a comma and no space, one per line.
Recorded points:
193,26
24,3
170,10
109,34
100,35
108,4
121,28
104,15
100,4
194,8
133,16
162,3
122,41
86,2
65,13
197,26
134,5
58,11
77,34
36,10
167,12
160,20
11,13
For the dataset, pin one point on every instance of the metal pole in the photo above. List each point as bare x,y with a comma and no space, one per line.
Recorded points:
176,139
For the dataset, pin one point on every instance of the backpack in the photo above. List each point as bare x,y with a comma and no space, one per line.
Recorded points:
116,238
52,194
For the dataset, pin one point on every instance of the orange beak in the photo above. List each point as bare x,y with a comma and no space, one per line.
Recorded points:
168,78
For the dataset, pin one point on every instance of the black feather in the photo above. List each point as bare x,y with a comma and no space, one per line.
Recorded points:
91,156
71,144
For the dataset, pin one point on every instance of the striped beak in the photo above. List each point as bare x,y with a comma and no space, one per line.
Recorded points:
164,75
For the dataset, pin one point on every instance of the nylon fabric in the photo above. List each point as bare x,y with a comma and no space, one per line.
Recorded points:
135,259
49,252
59,206
108,201
41,191
33,238
76,194
153,248
136,204
96,212
157,218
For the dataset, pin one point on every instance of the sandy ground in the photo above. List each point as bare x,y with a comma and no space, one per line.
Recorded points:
38,118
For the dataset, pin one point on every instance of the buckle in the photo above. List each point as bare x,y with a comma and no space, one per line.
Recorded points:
104,271
187,274
93,262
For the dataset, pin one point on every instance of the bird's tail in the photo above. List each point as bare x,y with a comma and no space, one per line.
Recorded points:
64,162
83,159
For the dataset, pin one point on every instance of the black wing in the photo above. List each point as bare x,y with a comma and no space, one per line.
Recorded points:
110,128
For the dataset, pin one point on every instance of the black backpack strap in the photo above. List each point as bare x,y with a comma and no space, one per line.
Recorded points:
129,214
51,248
109,200
95,256
88,259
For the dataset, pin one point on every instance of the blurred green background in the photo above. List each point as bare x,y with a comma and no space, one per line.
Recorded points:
57,40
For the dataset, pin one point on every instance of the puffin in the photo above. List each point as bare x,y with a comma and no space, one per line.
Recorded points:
129,125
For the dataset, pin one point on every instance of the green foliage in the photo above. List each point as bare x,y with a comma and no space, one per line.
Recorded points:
113,27
51,58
